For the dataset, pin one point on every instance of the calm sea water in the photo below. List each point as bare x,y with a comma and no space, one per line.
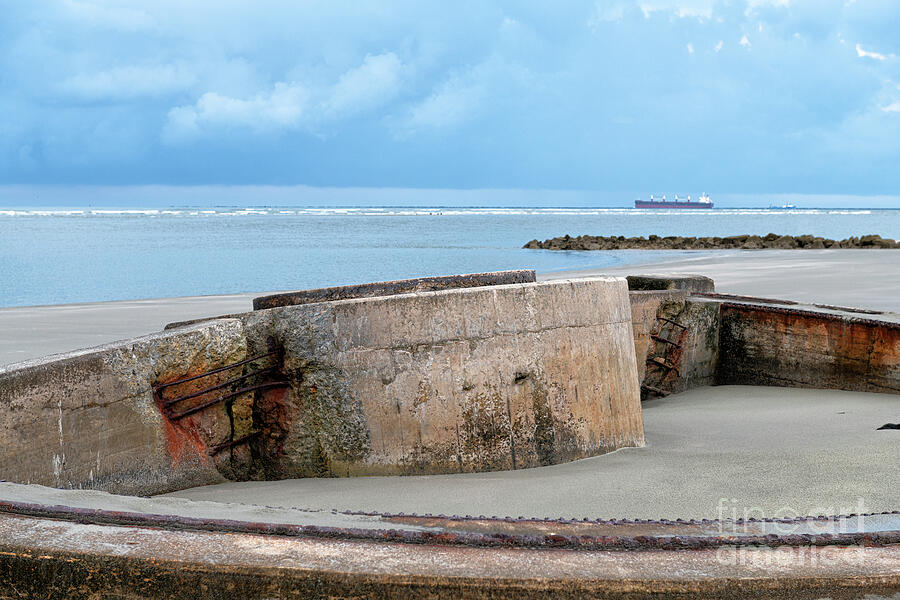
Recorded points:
79,255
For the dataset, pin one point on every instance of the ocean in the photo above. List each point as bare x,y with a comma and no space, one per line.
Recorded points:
65,255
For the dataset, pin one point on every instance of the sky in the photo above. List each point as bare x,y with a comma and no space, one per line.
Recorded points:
743,96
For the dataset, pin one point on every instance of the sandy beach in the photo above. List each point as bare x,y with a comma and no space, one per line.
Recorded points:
860,278
857,278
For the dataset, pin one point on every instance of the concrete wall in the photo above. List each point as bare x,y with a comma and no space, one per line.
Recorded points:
88,418
475,379
389,288
507,376
783,346
671,281
697,357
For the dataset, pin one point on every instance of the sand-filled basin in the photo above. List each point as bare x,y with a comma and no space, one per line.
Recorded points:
709,452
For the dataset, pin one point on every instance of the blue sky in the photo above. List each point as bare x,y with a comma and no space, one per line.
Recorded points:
742,96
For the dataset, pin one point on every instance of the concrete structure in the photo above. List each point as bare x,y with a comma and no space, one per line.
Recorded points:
390,288
738,340
776,343
88,418
465,379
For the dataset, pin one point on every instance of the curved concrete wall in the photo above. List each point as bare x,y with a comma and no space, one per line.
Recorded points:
475,379
389,288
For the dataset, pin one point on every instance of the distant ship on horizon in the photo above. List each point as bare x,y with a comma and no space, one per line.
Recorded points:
702,202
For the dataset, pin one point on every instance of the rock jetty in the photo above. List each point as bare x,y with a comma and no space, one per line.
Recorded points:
747,242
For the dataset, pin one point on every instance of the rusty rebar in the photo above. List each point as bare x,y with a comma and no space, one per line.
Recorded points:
163,386
656,390
677,324
170,401
663,363
659,338
214,401
231,443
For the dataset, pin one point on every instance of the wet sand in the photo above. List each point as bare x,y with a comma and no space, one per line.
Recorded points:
710,452
860,278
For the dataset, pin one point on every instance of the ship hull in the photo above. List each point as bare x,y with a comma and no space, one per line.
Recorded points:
648,204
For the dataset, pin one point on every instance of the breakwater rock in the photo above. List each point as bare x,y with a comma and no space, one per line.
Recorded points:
749,242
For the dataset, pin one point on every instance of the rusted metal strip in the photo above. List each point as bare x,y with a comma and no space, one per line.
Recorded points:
656,390
622,535
231,443
224,384
659,338
214,401
670,321
663,363
163,386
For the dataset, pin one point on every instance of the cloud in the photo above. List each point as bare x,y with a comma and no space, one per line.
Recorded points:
109,17
126,83
477,93
605,11
365,87
289,106
280,109
894,107
863,54
745,42
681,8
452,103
753,5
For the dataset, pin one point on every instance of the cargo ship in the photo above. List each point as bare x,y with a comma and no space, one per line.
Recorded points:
702,202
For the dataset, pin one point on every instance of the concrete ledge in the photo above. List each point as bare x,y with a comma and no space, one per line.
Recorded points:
671,281
63,559
388,288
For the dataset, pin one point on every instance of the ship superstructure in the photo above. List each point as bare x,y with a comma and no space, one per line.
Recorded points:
702,202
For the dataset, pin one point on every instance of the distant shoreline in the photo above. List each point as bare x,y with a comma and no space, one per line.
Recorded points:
770,241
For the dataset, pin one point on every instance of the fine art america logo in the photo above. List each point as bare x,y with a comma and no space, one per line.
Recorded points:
738,520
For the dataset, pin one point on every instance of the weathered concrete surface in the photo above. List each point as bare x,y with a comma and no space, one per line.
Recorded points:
42,558
697,351
473,379
89,419
671,281
763,344
389,288
476,379
646,306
